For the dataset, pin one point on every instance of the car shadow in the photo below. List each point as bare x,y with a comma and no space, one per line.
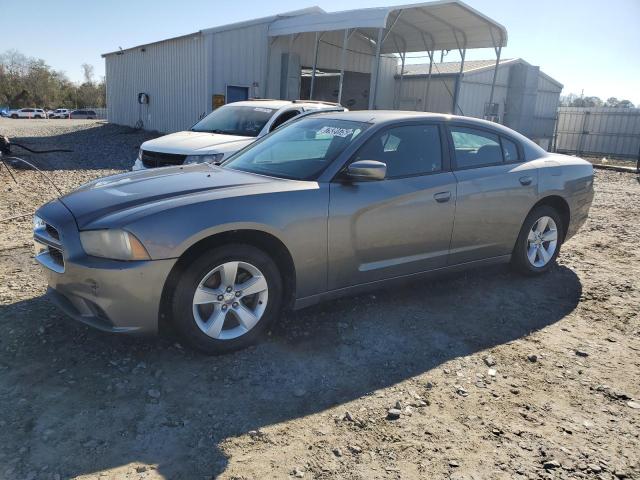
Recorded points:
102,401
99,146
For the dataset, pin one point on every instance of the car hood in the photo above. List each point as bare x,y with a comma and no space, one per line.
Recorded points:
127,191
188,142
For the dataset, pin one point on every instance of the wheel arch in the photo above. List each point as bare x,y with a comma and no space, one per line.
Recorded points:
265,241
561,206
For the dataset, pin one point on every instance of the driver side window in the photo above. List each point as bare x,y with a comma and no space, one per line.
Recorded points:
407,150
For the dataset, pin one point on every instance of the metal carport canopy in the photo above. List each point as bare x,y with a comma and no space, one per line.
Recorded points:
440,25
418,27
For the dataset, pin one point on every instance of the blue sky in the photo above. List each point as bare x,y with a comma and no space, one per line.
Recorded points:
585,44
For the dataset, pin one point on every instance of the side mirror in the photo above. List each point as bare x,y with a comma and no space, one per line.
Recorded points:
366,170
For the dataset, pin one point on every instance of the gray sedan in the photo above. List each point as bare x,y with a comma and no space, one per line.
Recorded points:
328,205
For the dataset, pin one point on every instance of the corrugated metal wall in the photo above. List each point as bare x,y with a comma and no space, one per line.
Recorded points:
599,131
475,91
546,109
237,56
414,90
172,73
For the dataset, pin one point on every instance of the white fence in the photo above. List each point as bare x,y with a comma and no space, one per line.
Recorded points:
598,131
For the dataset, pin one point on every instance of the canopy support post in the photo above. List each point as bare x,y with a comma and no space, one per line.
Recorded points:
495,76
498,51
376,71
399,100
426,93
343,59
456,92
315,65
268,70
431,52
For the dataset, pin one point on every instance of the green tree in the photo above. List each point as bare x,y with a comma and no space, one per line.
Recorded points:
30,82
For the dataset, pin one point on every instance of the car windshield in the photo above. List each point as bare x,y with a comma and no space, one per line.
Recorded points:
300,151
244,121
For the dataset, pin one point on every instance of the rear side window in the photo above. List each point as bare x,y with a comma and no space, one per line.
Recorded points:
475,148
509,150
407,150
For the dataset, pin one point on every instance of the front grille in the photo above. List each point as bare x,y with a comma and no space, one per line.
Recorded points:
49,249
52,231
158,159
56,256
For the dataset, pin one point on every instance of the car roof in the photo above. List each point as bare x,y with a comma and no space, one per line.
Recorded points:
395,116
262,103
390,116
277,104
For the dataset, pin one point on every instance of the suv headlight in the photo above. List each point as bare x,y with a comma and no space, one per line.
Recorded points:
208,158
113,244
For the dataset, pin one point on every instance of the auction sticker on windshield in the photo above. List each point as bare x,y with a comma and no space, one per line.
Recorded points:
335,131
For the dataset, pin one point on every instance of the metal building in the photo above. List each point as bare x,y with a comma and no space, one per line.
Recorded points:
350,57
525,98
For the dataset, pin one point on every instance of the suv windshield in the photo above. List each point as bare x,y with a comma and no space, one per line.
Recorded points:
300,151
235,120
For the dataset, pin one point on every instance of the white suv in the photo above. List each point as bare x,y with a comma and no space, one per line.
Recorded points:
60,113
223,132
28,113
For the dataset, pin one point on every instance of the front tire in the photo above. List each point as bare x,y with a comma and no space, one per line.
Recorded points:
539,241
226,298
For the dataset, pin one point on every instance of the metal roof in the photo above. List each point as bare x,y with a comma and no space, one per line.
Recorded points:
470,66
223,28
453,68
439,25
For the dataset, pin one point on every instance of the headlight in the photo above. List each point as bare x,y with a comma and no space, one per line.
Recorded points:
114,244
209,158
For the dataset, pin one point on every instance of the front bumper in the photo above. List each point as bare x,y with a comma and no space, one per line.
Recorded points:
110,295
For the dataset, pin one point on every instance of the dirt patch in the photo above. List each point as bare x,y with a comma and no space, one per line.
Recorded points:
480,375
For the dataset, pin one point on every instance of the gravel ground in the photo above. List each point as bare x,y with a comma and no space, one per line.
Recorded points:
472,376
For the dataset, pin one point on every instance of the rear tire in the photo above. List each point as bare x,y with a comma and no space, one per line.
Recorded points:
214,309
539,241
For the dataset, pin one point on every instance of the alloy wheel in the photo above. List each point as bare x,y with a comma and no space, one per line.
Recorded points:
230,300
542,241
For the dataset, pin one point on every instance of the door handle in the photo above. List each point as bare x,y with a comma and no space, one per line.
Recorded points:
526,180
442,197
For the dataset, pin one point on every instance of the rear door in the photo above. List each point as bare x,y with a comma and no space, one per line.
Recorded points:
495,191
400,225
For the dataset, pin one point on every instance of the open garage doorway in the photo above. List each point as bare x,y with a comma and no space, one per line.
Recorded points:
355,88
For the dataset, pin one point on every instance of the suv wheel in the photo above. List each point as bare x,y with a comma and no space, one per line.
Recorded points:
538,244
226,298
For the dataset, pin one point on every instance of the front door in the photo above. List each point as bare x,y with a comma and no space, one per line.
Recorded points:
397,226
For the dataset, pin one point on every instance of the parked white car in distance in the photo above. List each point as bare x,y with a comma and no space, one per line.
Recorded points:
28,113
223,132
60,113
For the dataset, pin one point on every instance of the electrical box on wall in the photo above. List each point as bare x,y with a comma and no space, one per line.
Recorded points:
143,98
217,100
